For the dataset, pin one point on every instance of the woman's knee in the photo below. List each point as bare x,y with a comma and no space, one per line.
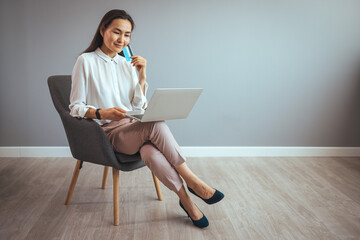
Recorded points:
159,128
151,156
159,124
146,151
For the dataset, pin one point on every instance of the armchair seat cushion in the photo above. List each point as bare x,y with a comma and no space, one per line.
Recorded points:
124,158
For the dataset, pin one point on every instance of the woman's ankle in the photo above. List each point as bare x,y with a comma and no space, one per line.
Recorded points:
203,190
191,208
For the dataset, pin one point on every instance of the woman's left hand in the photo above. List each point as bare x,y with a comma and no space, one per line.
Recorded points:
140,64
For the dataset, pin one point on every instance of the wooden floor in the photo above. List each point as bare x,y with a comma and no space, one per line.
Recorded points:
265,198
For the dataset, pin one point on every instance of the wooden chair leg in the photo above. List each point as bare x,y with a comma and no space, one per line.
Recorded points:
116,196
157,187
105,176
73,182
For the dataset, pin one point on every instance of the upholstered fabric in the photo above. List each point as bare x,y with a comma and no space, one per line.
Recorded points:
87,140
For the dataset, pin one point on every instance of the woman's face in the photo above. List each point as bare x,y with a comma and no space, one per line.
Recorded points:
116,36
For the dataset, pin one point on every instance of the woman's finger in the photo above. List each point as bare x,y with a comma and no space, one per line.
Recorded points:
136,56
141,63
137,60
137,64
119,114
119,109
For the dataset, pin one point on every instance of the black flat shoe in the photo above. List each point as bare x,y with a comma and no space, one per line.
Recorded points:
201,223
214,199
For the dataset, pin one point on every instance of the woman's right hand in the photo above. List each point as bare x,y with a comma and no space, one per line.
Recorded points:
114,113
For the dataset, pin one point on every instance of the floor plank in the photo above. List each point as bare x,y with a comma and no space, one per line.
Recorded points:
266,198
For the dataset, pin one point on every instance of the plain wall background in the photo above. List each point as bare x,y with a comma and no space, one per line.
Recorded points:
275,73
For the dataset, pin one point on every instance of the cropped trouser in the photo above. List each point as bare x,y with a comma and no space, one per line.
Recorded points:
158,148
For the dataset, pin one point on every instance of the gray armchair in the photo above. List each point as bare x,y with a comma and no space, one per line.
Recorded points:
88,143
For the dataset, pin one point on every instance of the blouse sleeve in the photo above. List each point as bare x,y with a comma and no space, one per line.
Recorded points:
78,106
139,99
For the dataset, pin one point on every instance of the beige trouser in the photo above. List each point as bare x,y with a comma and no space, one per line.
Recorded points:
158,148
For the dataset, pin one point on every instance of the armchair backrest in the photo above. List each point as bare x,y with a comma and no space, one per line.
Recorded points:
87,140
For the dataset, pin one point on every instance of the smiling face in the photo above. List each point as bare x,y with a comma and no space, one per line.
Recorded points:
116,36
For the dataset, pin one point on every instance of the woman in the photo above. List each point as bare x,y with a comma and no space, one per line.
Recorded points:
105,86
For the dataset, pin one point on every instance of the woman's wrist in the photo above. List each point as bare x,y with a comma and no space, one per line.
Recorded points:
142,78
102,113
97,113
142,73
142,81
142,85
90,113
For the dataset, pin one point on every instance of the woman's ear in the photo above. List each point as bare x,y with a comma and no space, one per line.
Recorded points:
102,31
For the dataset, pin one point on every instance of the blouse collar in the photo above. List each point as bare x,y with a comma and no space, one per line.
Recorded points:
105,57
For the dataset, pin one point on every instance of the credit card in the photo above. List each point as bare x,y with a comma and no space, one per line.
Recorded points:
128,53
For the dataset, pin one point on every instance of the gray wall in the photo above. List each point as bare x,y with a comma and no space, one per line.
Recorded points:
275,73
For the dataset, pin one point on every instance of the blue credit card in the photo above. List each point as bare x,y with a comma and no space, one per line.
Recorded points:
128,53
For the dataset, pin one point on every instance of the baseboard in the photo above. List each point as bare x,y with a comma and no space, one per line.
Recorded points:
271,151
35,152
204,151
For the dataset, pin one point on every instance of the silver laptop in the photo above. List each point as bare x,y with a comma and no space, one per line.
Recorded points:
168,104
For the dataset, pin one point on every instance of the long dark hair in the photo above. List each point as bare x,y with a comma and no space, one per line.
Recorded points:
104,23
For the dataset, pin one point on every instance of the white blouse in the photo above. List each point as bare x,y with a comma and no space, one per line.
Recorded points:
99,81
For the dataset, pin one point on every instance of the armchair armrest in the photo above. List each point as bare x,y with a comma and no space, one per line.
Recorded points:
88,141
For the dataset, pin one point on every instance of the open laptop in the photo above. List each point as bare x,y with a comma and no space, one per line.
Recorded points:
168,104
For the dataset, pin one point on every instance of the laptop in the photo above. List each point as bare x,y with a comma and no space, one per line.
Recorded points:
168,104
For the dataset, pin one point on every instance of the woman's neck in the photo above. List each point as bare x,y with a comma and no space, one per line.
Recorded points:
107,51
